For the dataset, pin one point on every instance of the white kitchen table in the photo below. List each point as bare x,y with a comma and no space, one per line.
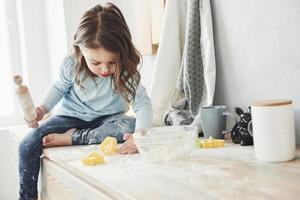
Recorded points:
230,172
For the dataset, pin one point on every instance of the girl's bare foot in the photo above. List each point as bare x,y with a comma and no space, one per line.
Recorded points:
58,139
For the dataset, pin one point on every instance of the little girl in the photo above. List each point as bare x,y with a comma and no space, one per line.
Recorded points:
96,83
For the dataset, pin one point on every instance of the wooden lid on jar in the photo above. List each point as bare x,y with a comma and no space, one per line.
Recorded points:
272,102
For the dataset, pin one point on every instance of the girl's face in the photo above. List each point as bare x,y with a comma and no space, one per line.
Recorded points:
101,62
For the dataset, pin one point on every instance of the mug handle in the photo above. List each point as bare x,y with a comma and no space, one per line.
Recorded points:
227,113
250,129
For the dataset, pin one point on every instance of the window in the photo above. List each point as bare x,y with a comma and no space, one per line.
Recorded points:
32,44
10,60
7,105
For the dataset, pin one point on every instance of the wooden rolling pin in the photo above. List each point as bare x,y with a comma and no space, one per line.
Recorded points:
25,99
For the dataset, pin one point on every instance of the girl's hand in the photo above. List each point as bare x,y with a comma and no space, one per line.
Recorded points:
40,111
128,147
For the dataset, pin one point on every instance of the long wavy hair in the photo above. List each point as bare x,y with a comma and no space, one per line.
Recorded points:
105,27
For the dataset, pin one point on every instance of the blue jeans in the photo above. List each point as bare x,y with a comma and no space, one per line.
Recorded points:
87,132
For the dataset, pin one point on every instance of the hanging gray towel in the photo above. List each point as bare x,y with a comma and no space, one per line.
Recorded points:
192,87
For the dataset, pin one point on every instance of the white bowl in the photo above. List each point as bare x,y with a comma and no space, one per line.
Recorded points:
166,143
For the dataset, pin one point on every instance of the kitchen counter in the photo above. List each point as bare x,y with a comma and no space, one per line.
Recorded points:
230,172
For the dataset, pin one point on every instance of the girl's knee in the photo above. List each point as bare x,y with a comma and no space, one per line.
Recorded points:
29,143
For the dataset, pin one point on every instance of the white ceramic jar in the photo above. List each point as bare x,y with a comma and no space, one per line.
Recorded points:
273,130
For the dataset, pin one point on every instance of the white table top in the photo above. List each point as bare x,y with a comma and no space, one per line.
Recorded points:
230,172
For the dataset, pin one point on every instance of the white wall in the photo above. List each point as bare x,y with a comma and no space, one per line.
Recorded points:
9,187
257,52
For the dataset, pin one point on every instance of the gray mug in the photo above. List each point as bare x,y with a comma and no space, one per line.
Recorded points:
213,120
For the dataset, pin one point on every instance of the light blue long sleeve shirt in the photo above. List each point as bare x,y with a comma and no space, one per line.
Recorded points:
98,98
